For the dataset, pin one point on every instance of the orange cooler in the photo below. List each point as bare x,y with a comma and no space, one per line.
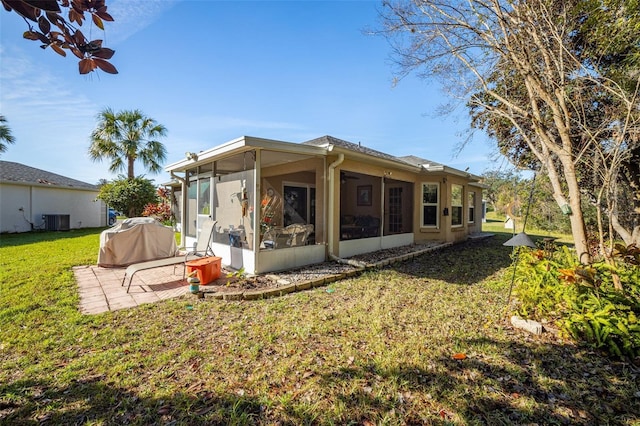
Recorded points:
207,268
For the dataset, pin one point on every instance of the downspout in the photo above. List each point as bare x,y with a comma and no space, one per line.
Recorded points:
331,206
183,183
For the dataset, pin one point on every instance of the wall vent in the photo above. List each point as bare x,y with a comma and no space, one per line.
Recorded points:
56,222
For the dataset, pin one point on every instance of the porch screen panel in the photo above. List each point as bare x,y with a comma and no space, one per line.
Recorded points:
191,222
232,207
395,210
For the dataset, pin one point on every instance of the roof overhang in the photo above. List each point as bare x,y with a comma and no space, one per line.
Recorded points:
240,145
372,159
47,185
450,170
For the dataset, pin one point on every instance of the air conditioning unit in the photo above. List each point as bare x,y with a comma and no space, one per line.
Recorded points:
56,222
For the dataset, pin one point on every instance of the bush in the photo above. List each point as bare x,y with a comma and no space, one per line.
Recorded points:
128,195
582,299
162,209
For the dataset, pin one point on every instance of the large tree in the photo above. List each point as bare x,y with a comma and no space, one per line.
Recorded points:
5,134
529,79
125,137
60,34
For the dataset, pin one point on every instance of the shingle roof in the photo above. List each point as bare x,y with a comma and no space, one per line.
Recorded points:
409,159
19,173
324,140
417,161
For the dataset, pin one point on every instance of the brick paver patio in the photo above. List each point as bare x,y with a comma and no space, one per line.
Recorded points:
101,289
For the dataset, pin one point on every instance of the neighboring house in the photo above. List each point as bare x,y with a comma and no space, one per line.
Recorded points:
34,199
280,205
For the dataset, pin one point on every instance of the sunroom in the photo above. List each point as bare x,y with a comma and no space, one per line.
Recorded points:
280,205
266,197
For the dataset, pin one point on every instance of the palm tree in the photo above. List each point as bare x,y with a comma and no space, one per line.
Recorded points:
5,135
125,137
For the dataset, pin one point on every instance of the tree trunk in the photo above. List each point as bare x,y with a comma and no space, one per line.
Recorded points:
578,229
130,162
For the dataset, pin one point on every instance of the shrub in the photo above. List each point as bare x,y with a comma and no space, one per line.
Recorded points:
162,209
128,195
582,299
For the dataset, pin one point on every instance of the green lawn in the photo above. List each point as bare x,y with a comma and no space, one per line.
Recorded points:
377,349
495,223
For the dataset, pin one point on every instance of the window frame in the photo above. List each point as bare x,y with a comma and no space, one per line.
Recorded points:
471,208
436,205
457,207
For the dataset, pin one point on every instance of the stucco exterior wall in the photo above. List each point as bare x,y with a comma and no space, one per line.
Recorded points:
81,206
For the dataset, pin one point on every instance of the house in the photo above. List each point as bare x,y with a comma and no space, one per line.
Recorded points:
34,199
280,205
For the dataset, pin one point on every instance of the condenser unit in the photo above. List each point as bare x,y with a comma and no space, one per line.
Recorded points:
56,222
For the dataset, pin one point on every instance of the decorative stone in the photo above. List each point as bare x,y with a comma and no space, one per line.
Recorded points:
528,325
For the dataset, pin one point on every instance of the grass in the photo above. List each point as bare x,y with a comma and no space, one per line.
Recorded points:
495,223
376,350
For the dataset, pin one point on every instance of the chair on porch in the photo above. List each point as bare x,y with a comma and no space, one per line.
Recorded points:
293,235
202,248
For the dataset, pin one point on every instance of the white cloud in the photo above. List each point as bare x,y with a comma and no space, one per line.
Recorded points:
131,16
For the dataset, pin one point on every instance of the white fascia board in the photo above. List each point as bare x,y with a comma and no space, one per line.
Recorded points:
244,143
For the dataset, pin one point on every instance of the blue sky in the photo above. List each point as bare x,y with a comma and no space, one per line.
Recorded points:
211,71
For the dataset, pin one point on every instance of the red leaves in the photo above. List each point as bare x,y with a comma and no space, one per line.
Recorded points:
64,36
104,53
87,65
22,8
105,66
59,50
102,13
47,5
30,35
44,24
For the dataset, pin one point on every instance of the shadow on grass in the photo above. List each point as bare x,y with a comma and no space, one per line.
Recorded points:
95,402
536,384
465,263
501,382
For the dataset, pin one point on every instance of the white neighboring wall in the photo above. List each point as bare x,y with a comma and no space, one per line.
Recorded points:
80,204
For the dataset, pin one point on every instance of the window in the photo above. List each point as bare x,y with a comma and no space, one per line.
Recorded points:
299,204
472,207
456,205
395,210
430,204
